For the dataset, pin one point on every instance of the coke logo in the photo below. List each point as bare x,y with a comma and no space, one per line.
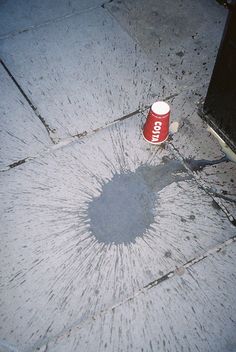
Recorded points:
156,131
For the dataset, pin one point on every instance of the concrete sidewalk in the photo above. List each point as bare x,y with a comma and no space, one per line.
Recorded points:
109,243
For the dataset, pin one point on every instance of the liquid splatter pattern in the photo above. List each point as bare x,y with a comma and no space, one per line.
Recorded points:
126,206
57,267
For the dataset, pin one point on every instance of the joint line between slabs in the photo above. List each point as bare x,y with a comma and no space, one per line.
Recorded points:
204,188
143,290
48,22
67,141
42,120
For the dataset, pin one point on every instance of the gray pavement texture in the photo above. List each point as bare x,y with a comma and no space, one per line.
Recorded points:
109,243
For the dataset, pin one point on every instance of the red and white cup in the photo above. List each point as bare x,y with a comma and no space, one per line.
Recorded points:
156,127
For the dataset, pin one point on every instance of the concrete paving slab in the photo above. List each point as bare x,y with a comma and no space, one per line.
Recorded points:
21,132
181,36
22,15
90,224
202,152
83,72
193,311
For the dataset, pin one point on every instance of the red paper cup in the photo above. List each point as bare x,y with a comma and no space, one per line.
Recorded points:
156,127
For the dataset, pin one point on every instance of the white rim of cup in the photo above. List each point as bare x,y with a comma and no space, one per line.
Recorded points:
160,108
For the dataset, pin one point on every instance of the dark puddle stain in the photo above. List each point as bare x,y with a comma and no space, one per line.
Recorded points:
125,208
199,165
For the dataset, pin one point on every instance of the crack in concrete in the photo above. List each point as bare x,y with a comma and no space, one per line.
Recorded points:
178,271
